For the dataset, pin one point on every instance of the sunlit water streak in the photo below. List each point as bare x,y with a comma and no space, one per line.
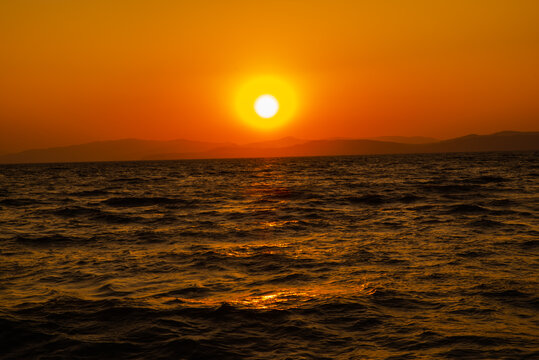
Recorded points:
413,256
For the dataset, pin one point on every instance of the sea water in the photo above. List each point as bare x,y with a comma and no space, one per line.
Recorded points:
365,257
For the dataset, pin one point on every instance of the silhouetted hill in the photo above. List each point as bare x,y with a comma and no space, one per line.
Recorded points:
406,139
280,143
310,148
132,149
114,150
503,141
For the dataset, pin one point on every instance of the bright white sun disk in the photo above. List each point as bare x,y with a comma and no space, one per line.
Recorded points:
266,106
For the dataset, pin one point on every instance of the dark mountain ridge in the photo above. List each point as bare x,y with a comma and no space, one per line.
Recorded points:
134,149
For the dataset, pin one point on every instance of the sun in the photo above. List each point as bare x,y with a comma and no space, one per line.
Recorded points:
266,106
266,102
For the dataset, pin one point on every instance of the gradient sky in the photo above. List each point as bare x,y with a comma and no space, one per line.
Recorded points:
79,71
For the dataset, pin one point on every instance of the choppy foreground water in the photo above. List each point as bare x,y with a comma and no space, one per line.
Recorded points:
375,257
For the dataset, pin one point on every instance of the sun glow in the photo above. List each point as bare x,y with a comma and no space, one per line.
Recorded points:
266,102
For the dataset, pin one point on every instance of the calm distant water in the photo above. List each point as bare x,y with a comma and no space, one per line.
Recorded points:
375,257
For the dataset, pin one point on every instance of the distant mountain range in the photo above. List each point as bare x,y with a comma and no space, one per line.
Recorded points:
134,149
406,139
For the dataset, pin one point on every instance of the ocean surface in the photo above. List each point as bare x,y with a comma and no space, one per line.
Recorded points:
367,257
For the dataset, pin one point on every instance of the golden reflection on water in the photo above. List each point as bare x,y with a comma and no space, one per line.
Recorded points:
277,299
285,297
272,300
260,248
277,223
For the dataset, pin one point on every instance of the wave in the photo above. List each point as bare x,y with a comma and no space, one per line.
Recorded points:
377,199
20,202
94,214
451,189
467,209
143,201
90,193
54,239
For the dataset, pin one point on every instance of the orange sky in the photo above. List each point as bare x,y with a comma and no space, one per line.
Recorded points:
78,71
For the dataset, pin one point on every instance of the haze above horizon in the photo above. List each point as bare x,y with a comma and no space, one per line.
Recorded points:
76,72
